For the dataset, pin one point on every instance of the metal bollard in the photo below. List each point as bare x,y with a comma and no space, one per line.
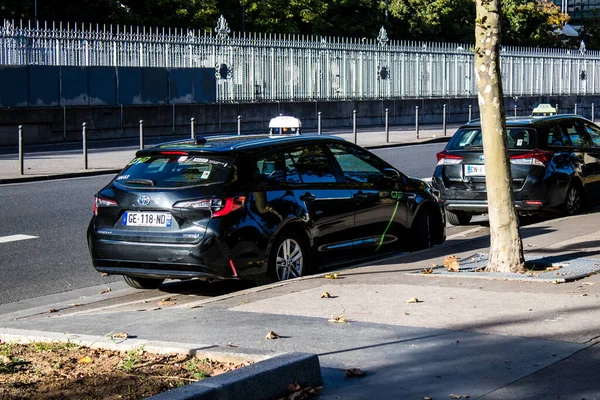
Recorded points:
193,127
575,111
239,124
417,120
593,112
515,106
141,134
173,120
85,150
64,122
121,118
556,107
444,119
387,125
470,112
319,126
354,127
21,163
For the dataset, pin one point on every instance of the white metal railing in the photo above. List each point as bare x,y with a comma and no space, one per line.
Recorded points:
267,67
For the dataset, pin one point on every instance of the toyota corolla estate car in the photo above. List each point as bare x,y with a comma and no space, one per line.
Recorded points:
265,208
555,167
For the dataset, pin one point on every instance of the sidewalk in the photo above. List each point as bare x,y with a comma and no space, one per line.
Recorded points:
489,339
53,164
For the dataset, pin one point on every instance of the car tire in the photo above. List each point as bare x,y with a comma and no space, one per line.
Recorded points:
289,257
573,201
422,232
458,218
143,283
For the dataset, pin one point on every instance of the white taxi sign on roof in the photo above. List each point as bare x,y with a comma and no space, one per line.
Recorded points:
544,109
284,124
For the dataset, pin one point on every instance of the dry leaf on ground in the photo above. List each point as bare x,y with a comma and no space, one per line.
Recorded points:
427,271
413,300
339,319
104,291
84,360
451,263
325,295
166,303
331,276
554,268
272,335
52,310
354,373
120,335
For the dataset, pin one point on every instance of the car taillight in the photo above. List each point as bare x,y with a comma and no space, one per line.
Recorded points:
219,207
534,157
445,158
102,202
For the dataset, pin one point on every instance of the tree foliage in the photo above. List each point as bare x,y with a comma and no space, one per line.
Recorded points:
527,22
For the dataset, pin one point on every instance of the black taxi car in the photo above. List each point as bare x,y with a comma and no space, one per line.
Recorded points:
258,207
554,159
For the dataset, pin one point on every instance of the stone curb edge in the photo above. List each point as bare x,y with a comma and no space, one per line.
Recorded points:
267,377
36,178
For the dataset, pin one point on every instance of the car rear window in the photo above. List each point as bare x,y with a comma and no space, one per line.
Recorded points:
468,138
171,171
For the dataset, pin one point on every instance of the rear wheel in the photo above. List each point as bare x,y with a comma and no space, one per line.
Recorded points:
422,232
458,218
574,201
289,257
143,283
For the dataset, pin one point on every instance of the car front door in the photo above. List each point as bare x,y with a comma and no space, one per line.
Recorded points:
381,207
587,157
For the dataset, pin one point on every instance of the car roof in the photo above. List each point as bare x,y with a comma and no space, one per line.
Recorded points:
236,143
531,120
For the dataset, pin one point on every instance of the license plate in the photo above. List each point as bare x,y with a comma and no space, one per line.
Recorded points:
474,170
157,219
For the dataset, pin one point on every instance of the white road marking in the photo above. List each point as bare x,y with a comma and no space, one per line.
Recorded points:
464,233
14,238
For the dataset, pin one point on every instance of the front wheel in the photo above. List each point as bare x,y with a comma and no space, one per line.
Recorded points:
458,218
574,201
142,283
289,258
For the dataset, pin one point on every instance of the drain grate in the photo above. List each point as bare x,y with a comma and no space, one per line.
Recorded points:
540,268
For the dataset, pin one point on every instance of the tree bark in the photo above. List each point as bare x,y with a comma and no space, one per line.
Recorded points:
506,247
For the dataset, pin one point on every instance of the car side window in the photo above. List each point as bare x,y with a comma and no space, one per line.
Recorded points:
276,168
594,133
312,164
557,137
356,164
577,139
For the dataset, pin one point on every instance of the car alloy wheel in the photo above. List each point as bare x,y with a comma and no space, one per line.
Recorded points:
573,201
289,262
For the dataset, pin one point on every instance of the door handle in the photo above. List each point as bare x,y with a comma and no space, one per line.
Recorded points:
359,196
308,197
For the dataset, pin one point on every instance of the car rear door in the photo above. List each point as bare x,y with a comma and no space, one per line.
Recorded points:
590,139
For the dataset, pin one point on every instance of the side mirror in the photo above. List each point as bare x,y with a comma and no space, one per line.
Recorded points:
391,173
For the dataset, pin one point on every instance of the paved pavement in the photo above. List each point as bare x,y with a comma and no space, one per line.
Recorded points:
67,160
482,338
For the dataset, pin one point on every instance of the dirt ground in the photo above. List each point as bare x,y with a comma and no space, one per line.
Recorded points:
67,371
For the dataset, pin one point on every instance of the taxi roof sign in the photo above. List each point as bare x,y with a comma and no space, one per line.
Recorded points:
544,109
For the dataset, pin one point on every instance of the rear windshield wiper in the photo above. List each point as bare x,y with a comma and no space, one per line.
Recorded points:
147,182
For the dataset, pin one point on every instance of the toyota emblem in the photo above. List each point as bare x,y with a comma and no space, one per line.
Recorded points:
481,157
143,200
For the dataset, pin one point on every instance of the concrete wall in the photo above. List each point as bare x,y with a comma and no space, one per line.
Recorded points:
48,124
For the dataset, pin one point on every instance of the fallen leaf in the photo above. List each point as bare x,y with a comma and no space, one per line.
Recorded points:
451,263
339,319
554,268
413,300
405,313
584,295
104,291
556,282
104,274
325,295
427,271
166,303
168,299
272,335
85,360
120,335
331,276
459,396
354,373
74,305
194,306
52,310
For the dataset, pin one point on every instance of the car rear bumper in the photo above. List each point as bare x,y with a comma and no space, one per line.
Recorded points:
481,206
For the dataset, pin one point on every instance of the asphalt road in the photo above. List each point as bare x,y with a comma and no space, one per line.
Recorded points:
56,213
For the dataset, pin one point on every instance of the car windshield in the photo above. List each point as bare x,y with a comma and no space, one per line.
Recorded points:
470,138
170,171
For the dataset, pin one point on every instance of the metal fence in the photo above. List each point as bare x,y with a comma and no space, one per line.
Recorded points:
259,67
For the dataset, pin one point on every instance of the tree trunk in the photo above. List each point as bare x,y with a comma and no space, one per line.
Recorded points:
506,248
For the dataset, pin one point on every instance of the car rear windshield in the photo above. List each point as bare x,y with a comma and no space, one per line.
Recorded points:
171,171
470,138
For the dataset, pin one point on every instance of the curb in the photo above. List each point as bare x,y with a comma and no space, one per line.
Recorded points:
263,380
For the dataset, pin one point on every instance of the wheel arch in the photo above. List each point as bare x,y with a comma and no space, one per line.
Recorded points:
297,226
432,208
